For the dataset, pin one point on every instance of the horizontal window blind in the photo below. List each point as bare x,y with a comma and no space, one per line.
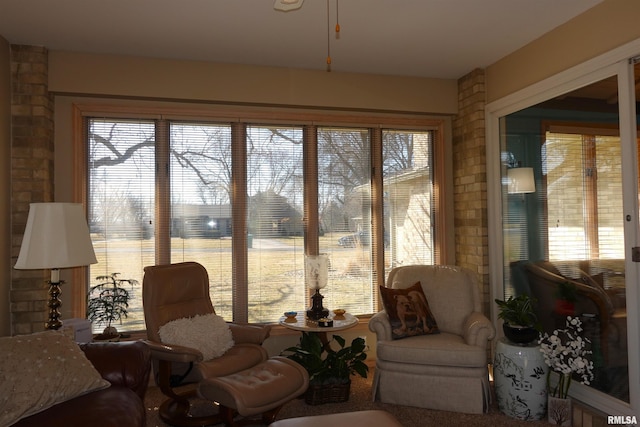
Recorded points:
121,173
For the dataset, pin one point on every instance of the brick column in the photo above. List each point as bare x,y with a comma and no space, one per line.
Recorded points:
470,180
32,151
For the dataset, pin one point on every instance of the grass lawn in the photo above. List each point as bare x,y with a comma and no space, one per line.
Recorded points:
276,274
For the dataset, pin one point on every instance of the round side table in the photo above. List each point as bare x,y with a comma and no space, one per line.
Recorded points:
519,377
340,323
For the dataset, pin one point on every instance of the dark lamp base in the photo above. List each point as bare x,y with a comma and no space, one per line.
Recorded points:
317,311
54,304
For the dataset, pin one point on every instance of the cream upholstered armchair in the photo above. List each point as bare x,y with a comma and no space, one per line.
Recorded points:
179,291
446,370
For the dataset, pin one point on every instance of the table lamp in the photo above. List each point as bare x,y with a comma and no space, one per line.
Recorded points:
317,272
56,236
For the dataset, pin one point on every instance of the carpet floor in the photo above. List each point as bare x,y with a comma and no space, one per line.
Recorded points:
359,400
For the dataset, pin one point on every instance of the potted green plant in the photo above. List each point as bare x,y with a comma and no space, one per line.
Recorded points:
329,370
520,323
108,302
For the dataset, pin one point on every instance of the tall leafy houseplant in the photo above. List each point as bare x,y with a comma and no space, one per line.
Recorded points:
520,321
108,301
326,366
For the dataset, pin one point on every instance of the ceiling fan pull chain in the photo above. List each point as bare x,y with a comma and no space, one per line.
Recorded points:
328,40
337,19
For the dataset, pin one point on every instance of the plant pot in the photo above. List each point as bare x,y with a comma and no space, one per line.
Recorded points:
520,334
110,330
107,337
559,411
318,394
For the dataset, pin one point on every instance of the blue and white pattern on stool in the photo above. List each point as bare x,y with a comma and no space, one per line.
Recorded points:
519,375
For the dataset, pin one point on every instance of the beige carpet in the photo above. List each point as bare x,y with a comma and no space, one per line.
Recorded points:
360,399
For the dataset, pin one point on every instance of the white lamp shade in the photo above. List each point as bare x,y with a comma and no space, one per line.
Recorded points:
520,180
56,236
317,271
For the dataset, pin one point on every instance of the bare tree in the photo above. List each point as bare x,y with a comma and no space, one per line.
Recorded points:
201,154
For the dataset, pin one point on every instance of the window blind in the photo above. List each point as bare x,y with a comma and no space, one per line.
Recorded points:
122,202
249,200
200,209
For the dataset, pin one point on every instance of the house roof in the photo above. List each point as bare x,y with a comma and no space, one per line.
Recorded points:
424,38
193,210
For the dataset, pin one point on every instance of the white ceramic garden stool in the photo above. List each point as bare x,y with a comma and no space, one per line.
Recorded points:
519,376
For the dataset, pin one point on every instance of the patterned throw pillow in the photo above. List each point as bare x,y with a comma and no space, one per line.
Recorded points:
40,370
409,312
208,333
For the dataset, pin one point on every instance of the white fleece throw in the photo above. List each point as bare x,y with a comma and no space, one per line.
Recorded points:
208,333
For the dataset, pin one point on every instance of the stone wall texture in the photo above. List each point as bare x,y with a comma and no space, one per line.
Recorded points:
470,180
32,151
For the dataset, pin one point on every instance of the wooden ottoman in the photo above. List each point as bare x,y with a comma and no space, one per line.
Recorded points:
351,419
262,389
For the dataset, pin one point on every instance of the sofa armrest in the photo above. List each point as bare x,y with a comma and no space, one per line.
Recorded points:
478,330
379,323
174,353
125,364
249,333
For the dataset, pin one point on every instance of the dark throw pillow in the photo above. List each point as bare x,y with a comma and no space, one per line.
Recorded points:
408,311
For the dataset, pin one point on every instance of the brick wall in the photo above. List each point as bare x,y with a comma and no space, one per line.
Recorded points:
470,180
32,152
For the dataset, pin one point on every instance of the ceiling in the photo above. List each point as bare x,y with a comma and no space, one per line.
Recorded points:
425,38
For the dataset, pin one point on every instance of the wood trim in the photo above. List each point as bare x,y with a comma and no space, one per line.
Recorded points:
444,222
590,197
580,128
162,193
239,222
311,215
77,289
377,211
127,109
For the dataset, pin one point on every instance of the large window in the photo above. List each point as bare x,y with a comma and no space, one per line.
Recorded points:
344,198
249,200
275,206
587,166
121,168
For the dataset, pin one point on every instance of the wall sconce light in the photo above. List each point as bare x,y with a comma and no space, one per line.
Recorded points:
520,181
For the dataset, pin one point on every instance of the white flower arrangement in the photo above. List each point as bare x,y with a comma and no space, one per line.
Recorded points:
566,353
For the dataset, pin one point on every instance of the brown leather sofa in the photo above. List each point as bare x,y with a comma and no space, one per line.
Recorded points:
126,366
